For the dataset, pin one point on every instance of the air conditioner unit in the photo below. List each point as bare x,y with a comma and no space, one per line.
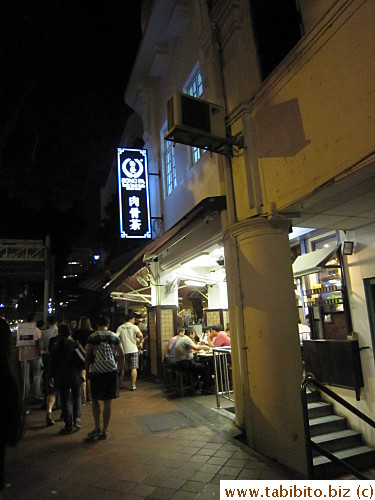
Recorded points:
195,122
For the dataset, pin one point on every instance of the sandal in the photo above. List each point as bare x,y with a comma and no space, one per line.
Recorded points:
94,433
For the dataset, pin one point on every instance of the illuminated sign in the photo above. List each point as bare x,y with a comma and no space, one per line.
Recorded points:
133,193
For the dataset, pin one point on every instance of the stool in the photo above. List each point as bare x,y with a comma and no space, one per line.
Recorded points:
184,382
169,378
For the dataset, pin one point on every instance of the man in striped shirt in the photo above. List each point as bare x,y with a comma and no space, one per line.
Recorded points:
104,386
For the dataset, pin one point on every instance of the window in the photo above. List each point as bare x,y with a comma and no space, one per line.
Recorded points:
170,167
194,87
169,164
277,29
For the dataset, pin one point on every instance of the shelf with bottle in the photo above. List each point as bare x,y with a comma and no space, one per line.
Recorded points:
321,289
328,296
320,301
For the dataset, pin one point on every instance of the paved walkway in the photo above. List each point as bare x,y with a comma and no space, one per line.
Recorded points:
159,447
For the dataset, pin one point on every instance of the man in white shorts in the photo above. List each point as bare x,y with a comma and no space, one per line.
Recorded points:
128,333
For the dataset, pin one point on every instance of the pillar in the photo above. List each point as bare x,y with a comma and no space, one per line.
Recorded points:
218,296
270,399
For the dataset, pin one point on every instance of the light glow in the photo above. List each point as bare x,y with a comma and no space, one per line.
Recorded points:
195,283
134,203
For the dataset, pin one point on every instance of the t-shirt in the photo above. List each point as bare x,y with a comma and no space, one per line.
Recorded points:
128,336
94,340
172,351
221,340
62,354
183,350
304,332
46,337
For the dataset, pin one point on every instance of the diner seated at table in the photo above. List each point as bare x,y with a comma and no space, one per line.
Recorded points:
206,332
169,354
185,347
218,338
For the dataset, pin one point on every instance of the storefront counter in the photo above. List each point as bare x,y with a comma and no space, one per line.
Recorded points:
334,362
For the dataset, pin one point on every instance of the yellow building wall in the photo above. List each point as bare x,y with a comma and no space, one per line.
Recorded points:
317,120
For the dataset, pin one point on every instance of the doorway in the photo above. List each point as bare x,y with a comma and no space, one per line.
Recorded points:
370,299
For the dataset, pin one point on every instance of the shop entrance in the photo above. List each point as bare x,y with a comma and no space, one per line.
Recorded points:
370,299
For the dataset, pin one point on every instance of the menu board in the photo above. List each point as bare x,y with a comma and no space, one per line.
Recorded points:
166,326
217,317
213,317
26,334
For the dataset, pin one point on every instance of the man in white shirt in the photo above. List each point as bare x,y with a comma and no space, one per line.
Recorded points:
128,333
304,332
30,358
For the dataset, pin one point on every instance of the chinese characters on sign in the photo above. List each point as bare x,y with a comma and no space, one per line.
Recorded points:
133,193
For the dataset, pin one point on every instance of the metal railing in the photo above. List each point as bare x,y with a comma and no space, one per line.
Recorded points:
310,444
223,374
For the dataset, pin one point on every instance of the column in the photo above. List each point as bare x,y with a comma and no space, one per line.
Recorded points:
217,296
272,409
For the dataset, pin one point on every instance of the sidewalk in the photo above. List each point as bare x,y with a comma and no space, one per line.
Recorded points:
159,447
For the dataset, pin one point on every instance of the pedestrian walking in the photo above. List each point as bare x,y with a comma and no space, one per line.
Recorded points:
101,350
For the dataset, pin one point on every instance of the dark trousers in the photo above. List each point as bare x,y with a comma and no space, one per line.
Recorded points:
197,369
70,394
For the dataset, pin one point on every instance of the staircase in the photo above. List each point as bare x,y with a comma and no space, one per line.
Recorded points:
332,433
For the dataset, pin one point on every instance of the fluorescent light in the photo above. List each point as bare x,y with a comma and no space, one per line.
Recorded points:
195,283
202,261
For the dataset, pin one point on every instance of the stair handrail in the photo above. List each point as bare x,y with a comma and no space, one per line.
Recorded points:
310,379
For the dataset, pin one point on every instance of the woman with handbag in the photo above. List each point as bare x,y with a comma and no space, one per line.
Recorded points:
65,374
82,333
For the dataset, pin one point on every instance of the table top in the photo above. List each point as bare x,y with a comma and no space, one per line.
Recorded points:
205,353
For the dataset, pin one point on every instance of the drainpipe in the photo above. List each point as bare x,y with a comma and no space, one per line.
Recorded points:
229,218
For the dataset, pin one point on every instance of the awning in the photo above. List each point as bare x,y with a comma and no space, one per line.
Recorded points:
95,281
312,262
137,263
166,240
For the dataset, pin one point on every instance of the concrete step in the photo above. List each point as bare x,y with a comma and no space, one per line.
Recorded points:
340,440
313,396
319,409
360,457
326,424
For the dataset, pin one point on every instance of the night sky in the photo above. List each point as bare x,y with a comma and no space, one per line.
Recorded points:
64,66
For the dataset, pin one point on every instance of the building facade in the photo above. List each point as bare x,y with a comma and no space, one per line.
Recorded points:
296,85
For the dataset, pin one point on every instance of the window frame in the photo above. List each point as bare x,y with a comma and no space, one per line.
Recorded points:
169,164
194,88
